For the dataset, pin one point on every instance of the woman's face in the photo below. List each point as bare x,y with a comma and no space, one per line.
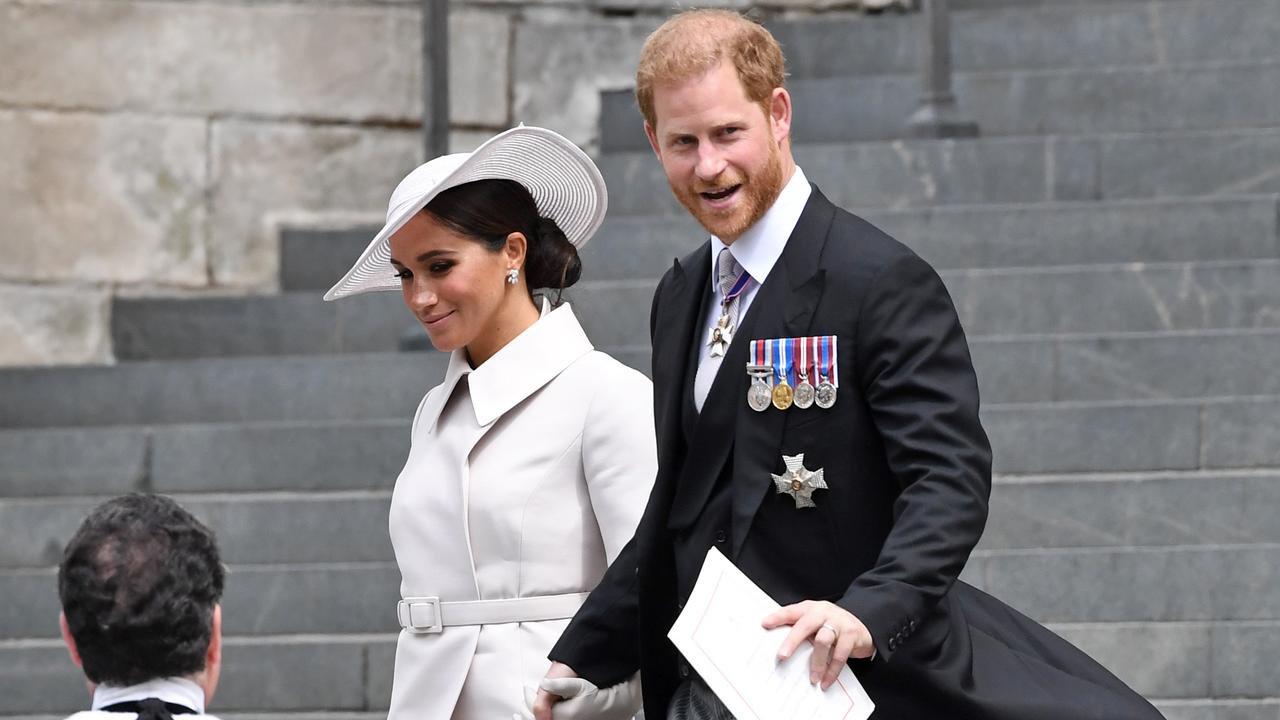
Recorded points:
457,287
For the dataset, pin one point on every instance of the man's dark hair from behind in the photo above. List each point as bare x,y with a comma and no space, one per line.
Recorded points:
139,582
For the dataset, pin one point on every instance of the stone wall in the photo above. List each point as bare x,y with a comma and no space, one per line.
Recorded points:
156,147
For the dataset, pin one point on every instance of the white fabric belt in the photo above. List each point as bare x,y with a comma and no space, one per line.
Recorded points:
422,615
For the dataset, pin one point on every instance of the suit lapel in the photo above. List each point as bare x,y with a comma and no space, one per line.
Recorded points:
676,316
786,305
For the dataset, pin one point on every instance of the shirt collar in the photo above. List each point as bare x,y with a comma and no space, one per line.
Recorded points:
532,359
758,249
176,690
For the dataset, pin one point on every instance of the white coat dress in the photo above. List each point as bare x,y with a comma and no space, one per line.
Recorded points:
525,477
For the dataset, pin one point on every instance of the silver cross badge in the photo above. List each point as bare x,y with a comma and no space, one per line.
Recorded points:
798,482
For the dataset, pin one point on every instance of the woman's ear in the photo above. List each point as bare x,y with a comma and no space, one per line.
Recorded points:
516,250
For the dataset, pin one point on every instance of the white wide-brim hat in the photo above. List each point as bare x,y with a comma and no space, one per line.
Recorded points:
565,184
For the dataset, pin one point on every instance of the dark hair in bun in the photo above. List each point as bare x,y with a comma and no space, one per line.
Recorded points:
490,210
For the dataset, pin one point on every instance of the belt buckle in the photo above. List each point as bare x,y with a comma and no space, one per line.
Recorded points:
405,614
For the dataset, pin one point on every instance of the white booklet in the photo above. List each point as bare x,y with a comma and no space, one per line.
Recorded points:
719,633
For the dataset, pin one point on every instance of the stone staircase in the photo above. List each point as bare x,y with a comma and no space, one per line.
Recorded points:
1112,243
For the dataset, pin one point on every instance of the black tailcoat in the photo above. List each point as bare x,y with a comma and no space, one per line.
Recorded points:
908,467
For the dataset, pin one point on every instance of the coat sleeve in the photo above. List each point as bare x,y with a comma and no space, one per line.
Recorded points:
913,365
619,459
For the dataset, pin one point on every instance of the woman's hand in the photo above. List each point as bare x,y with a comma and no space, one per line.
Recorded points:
543,702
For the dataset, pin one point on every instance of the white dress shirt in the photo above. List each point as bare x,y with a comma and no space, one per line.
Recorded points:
176,690
756,250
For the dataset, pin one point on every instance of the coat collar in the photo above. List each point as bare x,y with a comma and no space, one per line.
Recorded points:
519,369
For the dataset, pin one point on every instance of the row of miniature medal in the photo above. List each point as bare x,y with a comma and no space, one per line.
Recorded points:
776,363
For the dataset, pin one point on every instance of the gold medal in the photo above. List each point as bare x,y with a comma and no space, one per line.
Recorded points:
783,395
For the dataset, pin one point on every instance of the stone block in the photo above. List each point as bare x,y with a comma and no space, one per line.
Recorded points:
39,677
329,599
316,528
1218,582
102,198
344,387
561,66
53,325
1242,434
1165,660
1132,509
289,676
315,259
1115,298
1222,162
382,663
30,607
1194,32
614,314
265,175
1085,438
283,60
1170,366
71,462
1246,659
288,324
40,530
479,69
306,457
1013,371
1219,709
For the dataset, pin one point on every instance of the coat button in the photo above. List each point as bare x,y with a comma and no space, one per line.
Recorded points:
893,643
720,536
684,671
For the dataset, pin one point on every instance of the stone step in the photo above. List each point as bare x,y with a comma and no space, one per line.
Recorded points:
1055,511
1050,102
924,173
276,678
1138,584
997,236
951,237
989,35
1000,301
369,386
312,457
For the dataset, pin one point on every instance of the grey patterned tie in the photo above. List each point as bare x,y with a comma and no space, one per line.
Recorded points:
728,272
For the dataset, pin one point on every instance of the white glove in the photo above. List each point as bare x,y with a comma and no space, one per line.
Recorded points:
584,701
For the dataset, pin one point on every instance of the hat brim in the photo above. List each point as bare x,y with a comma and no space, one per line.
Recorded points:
564,182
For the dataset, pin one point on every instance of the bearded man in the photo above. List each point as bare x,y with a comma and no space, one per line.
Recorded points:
817,421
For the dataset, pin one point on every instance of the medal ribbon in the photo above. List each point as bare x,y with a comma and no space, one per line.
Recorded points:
826,357
782,367
739,286
802,370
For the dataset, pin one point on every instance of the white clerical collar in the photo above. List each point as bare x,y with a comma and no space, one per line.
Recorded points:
176,690
532,359
758,249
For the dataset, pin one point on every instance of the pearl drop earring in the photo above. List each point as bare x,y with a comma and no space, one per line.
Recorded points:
513,276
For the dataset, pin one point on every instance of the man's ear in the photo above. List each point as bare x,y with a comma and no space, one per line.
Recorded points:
780,114
213,656
652,134
70,642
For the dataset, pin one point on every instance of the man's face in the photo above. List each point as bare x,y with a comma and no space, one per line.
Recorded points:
723,154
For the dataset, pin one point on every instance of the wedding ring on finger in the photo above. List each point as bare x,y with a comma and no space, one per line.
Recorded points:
835,634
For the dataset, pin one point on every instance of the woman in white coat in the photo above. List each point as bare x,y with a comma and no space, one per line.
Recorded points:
532,461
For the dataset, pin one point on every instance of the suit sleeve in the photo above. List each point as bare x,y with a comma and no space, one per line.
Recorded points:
602,641
913,364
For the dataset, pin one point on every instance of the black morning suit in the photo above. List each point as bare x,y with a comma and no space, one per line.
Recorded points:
908,467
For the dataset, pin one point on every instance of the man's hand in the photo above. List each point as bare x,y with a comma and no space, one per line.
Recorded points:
544,701
836,634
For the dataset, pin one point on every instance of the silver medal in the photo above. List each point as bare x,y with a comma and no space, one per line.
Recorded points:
804,394
760,394
825,396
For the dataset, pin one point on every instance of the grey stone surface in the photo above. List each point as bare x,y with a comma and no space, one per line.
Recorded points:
1164,660
319,675
1255,671
1145,509
1113,100
91,198
265,176
1057,438
40,678
479,68
53,325
1129,298
1178,365
1222,709
561,65
314,259
254,528
332,599
30,607
283,60
356,386
1013,371
71,462
381,664
270,456
1242,434
1208,582
292,323
1186,164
